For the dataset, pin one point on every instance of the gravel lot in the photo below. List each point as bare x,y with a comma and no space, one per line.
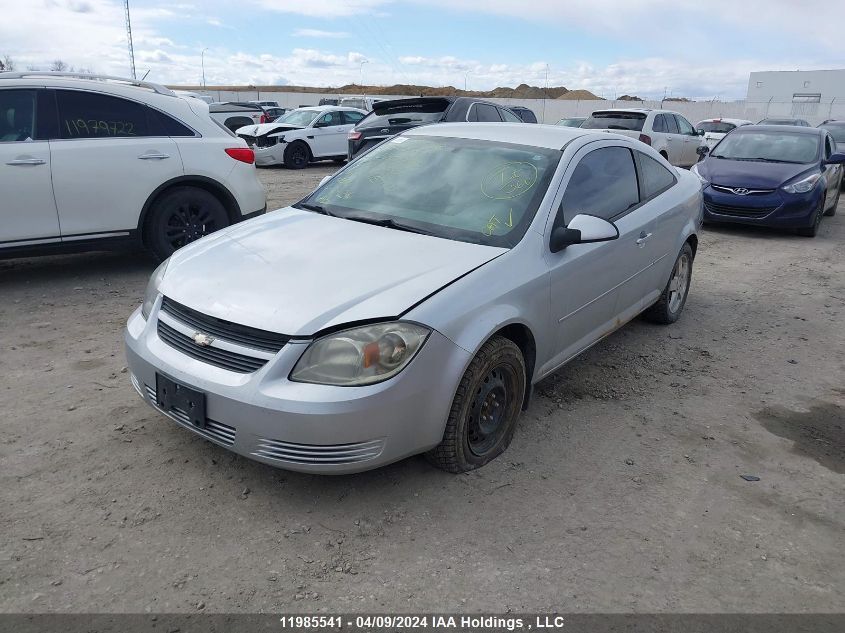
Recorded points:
621,491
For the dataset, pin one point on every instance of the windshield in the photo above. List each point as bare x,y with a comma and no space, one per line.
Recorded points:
468,190
414,114
299,117
780,147
717,127
836,131
615,121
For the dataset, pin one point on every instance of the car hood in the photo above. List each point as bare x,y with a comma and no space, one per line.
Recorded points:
265,128
296,272
749,174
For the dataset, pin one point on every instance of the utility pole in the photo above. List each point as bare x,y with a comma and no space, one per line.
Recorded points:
129,39
202,60
361,70
545,93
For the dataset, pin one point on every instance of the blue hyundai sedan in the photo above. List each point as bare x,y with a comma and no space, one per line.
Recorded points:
783,177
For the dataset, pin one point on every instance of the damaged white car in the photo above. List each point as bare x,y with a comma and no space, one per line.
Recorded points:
302,136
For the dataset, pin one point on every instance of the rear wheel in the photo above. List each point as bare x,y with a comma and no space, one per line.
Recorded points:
180,216
486,407
297,155
812,230
671,302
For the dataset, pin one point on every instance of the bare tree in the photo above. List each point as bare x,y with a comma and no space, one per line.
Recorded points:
7,63
58,65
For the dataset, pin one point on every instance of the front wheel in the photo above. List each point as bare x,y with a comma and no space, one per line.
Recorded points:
487,403
832,210
674,296
182,215
813,229
297,155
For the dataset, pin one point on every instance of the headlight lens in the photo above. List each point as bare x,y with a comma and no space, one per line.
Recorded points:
704,181
151,294
360,356
804,185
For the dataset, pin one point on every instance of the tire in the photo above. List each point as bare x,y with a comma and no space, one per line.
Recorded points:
180,216
476,431
812,231
670,304
339,161
664,154
832,210
297,155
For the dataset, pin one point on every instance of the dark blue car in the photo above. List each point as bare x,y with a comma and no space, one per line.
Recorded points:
784,177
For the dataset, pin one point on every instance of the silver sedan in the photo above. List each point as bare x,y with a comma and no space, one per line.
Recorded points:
409,303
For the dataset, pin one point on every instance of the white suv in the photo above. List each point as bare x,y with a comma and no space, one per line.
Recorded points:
93,162
666,131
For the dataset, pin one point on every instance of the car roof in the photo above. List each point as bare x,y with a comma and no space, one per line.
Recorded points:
725,119
532,134
783,129
328,108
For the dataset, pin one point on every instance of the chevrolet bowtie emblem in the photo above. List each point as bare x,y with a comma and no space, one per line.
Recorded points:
202,339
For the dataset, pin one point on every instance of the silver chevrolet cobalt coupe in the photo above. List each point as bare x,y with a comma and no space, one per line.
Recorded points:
409,304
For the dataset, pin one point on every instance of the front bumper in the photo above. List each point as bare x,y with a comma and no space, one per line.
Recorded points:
775,209
304,427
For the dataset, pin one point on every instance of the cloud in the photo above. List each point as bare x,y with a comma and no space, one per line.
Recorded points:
322,8
319,33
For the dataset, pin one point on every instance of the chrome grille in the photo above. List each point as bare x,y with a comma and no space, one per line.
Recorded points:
233,332
738,212
216,356
214,431
318,454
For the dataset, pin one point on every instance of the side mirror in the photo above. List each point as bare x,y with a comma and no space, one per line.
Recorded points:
324,181
836,159
583,229
700,132
702,150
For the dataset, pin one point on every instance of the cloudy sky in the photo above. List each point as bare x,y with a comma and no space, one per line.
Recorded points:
611,47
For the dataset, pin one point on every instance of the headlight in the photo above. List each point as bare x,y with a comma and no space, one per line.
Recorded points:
151,294
704,181
360,356
804,185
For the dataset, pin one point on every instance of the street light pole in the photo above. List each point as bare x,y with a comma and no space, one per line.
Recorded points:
361,70
466,74
202,60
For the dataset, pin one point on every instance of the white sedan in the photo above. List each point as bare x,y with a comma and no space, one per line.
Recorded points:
714,130
302,136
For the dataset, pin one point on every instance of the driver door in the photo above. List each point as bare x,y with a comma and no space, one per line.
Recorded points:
329,135
586,280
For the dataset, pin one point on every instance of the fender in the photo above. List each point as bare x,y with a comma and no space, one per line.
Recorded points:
226,196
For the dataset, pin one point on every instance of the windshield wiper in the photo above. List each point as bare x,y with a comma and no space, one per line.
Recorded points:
386,222
314,207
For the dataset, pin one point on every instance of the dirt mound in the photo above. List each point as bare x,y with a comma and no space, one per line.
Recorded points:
579,95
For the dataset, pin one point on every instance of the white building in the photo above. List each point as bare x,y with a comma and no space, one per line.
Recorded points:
813,95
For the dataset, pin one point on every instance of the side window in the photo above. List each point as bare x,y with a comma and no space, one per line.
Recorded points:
17,115
509,116
654,177
672,124
93,115
659,124
685,126
329,119
603,184
352,117
487,112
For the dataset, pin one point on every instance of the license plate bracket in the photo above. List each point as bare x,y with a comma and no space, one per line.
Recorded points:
171,395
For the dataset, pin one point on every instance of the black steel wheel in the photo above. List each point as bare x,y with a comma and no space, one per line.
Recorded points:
180,216
485,410
297,155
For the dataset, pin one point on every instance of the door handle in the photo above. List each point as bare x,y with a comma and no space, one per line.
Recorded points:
153,156
643,238
27,161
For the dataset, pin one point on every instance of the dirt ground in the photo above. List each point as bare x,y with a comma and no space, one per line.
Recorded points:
621,491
